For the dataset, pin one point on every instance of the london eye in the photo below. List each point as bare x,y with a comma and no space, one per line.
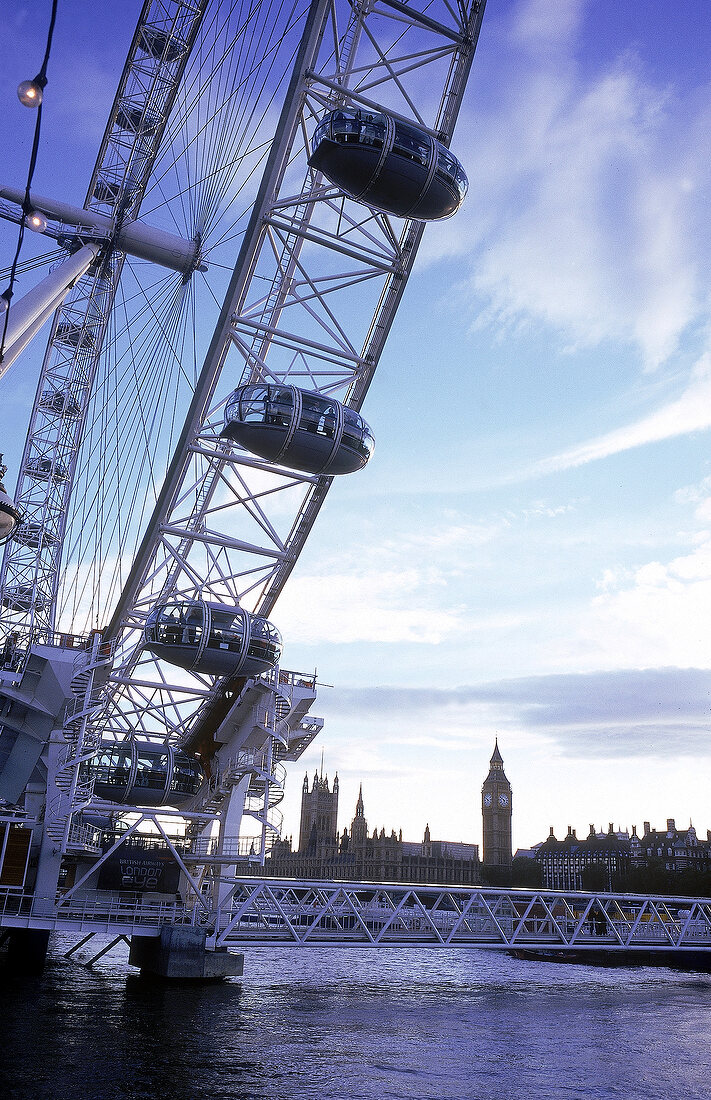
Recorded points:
217,305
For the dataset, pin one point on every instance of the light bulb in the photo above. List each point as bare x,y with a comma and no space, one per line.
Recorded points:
4,303
29,92
36,221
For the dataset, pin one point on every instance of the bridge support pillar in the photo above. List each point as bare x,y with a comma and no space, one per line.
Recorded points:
180,952
26,952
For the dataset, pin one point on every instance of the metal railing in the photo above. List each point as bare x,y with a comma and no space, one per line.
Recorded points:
303,913
311,913
96,912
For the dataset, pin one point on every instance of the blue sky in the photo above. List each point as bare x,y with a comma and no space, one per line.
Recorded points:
528,554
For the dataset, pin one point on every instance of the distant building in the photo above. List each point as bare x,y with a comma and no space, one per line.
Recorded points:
319,817
496,812
358,856
675,849
564,863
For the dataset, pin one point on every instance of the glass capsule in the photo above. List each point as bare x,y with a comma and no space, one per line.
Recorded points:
389,164
212,638
298,429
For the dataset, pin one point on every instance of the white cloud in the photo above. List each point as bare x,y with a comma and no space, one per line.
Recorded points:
587,208
658,615
541,25
383,607
691,412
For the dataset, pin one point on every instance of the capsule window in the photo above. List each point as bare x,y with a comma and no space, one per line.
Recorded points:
178,624
151,769
345,127
412,144
252,404
226,632
113,766
372,131
186,775
264,641
318,415
279,406
446,164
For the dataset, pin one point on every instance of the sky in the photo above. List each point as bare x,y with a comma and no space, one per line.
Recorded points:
528,554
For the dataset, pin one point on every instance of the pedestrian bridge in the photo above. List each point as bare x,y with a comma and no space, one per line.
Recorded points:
300,913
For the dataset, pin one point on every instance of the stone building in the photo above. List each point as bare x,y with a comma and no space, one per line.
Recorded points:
319,817
496,812
674,849
564,863
358,855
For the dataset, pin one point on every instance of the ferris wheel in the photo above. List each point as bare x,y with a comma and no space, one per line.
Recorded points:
228,285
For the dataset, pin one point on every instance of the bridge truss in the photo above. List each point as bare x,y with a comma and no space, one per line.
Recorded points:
259,912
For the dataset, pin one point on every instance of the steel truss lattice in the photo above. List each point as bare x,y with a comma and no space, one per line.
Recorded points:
312,300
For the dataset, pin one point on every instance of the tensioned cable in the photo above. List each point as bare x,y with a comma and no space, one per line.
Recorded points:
41,81
105,427
111,428
33,262
122,425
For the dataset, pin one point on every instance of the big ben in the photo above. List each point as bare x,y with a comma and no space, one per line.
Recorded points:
496,814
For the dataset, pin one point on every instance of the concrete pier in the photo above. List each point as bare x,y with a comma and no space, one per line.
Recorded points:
180,952
25,952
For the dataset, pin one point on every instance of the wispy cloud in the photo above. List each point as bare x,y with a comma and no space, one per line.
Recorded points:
691,412
657,613
659,712
588,209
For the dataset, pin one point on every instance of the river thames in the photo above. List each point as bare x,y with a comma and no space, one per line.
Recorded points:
348,1024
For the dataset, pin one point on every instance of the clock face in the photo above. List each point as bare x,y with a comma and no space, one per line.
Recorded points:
487,799
503,800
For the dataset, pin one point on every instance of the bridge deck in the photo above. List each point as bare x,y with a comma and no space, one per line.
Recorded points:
264,911
259,911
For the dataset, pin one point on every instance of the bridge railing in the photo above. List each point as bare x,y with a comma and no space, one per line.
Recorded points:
302,913
96,911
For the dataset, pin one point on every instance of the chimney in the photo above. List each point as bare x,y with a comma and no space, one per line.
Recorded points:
671,825
610,828
592,830
570,831
551,833
647,829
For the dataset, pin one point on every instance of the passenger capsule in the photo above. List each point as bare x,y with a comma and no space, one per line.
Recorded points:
24,597
141,773
9,515
213,638
133,118
61,403
161,45
298,429
391,165
106,190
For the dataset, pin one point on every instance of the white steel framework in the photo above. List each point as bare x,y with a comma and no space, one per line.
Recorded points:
126,478
262,912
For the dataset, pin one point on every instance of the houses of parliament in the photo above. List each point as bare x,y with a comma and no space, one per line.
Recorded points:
358,855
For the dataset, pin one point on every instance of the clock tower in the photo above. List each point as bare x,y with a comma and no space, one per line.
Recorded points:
496,814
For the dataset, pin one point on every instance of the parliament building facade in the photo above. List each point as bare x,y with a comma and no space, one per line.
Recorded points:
359,855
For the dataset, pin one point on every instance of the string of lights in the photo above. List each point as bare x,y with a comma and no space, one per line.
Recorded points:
31,94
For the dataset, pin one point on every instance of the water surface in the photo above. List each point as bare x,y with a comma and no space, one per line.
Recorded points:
359,1024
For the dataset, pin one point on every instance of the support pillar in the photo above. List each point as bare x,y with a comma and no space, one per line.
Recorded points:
26,952
180,953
